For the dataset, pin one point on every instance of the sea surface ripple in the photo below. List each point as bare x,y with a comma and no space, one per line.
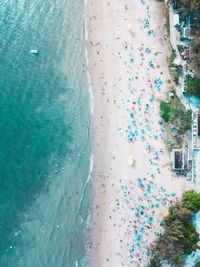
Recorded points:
44,134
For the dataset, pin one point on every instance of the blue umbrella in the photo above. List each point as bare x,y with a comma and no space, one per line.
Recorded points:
161,223
136,214
147,252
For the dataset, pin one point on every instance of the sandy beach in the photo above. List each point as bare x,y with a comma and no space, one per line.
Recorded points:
127,54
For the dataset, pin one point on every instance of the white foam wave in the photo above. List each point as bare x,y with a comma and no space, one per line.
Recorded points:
87,61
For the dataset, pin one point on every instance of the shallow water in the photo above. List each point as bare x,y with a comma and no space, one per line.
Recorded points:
44,133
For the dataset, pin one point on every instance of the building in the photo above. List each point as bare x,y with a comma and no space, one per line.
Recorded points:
178,159
196,171
186,33
187,53
196,130
176,20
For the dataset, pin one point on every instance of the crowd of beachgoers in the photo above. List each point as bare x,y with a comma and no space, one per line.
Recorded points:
129,76
143,195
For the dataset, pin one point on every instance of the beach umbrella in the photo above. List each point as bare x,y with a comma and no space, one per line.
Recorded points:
148,189
145,240
147,252
138,238
161,223
138,245
136,214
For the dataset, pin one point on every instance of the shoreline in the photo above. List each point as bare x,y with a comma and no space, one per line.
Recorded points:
115,31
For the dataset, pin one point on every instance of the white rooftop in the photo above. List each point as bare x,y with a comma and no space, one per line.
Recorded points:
176,19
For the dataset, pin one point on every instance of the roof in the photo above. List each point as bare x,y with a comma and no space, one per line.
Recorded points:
178,159
197,167
176,19
188,52
198,121
186,32
196,130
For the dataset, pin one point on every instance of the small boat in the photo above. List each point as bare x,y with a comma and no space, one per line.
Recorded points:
34,51
18,233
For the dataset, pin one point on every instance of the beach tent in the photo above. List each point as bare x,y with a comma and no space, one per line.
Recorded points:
131,160
129,28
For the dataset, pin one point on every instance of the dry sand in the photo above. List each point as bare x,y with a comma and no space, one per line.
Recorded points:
124,61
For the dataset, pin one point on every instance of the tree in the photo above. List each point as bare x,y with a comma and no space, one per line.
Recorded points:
192,85
195,60
185,121
176,77
190,238
165,250
179,237
195,64
165,110
179,116
178,211
189,5
191,200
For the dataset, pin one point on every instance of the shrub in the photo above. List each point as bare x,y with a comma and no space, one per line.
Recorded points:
180,48
176,77
192,85
171,59
174,112
165,111
191,200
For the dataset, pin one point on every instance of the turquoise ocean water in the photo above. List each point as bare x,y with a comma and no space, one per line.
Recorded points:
44,134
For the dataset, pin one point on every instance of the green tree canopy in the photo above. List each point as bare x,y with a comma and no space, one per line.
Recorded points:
191,200
189,5
166,251
179,237
165,111
192,85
